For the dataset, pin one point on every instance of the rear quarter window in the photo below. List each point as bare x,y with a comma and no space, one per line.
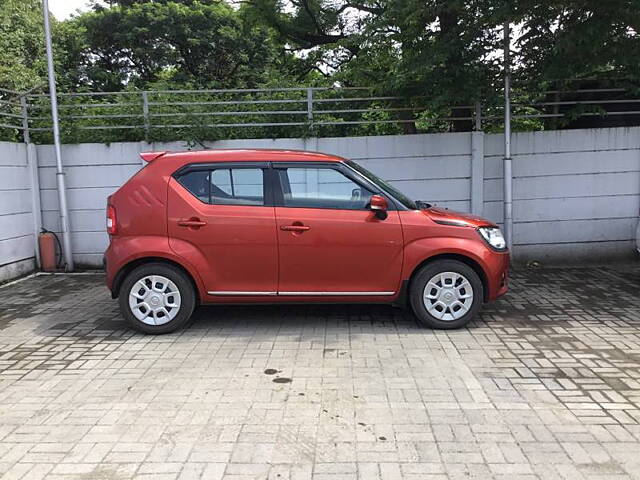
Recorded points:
197,182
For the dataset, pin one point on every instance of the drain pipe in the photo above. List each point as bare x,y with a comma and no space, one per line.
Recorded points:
62,192
508,174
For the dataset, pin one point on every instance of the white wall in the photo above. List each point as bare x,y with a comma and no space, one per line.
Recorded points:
93,172
576,192
16,217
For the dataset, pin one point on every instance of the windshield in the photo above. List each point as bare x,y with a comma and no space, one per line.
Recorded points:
395,193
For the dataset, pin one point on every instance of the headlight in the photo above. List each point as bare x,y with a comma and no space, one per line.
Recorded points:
493,236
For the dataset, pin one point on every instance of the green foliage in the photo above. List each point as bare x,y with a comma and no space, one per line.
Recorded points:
578,39
433,54
441,49
22,61
199,44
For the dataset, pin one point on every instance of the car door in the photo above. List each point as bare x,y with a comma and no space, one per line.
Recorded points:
330,243
220,216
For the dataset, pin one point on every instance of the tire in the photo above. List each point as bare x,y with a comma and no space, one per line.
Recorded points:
166,309
443,306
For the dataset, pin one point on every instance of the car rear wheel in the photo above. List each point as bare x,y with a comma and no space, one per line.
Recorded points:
446,294
157,298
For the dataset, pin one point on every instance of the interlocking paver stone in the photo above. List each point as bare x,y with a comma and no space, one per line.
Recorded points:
545,384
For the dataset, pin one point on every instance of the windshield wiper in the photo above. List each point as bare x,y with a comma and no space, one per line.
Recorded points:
422,205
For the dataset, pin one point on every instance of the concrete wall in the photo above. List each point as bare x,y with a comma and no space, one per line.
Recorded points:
17,237
576,193
93,172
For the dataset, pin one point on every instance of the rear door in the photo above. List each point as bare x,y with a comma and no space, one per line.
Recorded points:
330,243
221,217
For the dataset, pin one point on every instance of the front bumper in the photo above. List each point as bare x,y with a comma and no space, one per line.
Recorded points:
498,275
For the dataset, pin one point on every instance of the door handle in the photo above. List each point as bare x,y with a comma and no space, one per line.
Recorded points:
295,228
192,222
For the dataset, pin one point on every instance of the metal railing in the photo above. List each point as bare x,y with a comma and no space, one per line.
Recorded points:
291,112
301,110
13,112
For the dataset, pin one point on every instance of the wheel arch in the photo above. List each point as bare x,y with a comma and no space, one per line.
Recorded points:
129,267
459,257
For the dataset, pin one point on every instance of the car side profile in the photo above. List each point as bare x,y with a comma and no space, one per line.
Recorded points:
282,226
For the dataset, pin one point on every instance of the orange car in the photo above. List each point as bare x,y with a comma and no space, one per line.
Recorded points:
280,226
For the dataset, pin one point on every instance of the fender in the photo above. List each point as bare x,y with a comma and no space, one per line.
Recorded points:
192,255
422,249
130,249
491,263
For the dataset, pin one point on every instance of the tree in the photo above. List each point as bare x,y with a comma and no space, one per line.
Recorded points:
22,60
190,43
578,38
450,51
438,48
432,54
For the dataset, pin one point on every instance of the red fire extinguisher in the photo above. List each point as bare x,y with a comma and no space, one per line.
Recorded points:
47,245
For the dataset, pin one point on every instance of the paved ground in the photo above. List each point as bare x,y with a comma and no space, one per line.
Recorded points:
545,385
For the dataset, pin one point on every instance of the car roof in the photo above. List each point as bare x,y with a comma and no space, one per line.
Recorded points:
245,155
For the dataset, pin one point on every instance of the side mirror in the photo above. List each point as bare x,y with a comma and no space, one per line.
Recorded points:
378,205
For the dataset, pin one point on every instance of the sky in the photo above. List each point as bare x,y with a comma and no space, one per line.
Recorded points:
64,8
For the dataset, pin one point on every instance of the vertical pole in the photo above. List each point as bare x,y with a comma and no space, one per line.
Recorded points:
310,106
478,117
145,114
310,119
508,175
477,162
477,172
556,109
25,119
32,163
36,206
62,192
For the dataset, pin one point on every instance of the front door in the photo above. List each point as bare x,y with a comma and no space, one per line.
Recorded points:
220,220
330,242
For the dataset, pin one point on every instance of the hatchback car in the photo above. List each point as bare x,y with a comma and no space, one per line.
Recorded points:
276,226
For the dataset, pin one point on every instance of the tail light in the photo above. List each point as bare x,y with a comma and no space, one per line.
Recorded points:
112,226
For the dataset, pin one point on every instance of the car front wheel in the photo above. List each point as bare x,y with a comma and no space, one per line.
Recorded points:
157,298
446,294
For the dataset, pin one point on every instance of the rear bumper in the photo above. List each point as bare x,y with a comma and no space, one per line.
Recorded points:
108,262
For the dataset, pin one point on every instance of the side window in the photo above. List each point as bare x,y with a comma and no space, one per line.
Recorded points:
222,179
321,188
237,186
226,186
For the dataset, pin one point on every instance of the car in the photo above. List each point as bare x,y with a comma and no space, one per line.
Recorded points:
284,226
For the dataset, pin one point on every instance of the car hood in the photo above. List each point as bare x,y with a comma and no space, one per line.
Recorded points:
451,217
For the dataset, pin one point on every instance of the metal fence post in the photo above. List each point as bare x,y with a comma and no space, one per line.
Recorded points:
62,189
145,114
508,172
310,106
25,119
477,117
